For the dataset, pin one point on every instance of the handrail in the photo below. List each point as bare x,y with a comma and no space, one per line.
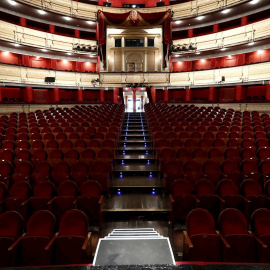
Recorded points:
88,11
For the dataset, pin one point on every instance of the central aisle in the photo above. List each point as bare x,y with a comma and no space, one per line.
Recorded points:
136,186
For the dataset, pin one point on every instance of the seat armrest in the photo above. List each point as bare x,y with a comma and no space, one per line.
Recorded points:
51,201
27,201
100,199
13,246
258,240
51,242
187,239
85,244
223,240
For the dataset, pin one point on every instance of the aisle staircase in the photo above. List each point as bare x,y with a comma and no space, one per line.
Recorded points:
136,186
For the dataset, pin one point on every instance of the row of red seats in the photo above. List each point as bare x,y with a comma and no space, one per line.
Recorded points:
41,243
233,242
247,198
26,200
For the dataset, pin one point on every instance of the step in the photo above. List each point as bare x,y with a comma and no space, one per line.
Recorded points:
134,130
136,168
136,157
136,203
136,182
135,148
135,134
135,141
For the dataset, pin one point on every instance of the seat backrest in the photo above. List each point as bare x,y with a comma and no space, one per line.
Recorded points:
20,190
232,222
181,187
44,189
90,188
227,187
41,223
74,223
200,221
251,187
204,187
260,222
67,188
11,224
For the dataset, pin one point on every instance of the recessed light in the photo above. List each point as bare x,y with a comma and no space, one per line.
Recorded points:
13,3
90,22
229,56
133,6
253,2
200,18
176,55
69,53
16,44
42,12
44,50
179,62
178,22
65,61
225,11
5,53
251,43
198,52
260,51
223,49
67,18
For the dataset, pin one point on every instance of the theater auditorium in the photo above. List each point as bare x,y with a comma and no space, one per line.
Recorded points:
135,133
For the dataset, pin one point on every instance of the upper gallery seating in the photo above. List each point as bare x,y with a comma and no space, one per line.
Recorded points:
51,163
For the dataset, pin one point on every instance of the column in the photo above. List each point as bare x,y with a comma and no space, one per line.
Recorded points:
77,33
241,59
153,94
23,22
123,54
145,53
155,55
166,95
52,29
78,66
244,20
213,63
28,94
98,65
56,95
115,94
215,28
126,101
190,33
113,60
80,95
212,94
134,100
25,60
142,103
267,94
53,64
188,94
238,92
145,61
101,95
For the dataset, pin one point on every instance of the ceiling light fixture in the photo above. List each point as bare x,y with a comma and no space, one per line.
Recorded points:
42,12
225,11
200,18
251,43
13,3
90,22
67,18
223,49
178,22
253,2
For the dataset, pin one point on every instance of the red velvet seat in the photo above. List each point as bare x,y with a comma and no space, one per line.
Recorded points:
11,225
260,224
73,244
239,244
201,242
35,247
